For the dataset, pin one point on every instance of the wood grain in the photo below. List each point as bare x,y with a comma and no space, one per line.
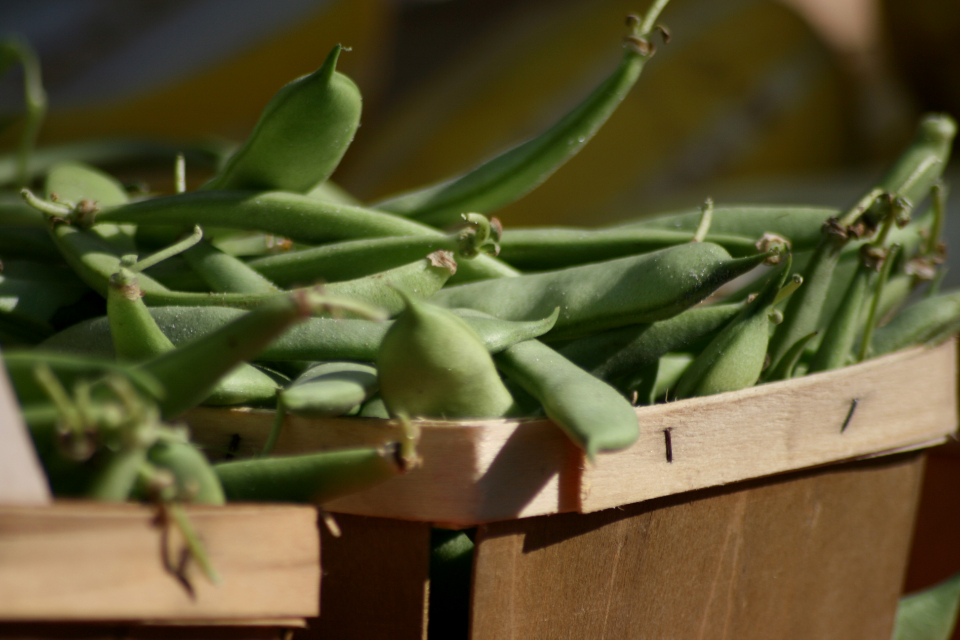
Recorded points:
87,561
903,400
375,581
485,471
818,554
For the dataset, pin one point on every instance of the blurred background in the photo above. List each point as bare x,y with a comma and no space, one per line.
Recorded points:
790,101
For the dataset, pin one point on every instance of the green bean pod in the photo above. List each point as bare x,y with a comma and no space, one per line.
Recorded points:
734,359
592,413
289,215
95,262
917,168
301,135
605,295
137,337
923,162
116,478
190,372
349,259
613,354
798,224
312,478
330,389
223,273
75,182
556,248
836,346
196,480
929,320
512,174
69,368
314,339
433,364
930,614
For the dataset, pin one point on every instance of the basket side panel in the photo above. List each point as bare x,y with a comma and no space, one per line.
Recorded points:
818,554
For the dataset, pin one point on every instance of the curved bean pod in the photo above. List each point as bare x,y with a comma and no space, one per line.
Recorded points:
290,215
592,413
315,339
313,478
929,320
734,358
301,135
616,353
605,295
197,482
512,174
556,248
798,224
329,389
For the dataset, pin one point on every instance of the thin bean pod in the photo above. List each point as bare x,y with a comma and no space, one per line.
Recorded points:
734,359
613,354
315,339
290,215
556,248
312,478
592,413
605,295
512,174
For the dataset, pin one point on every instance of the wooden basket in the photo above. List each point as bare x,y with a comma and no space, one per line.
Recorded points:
784,510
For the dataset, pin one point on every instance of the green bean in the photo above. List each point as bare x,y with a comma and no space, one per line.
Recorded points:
115,479
350,259
788,363
613,354
331,192
734,359
301,135
190,372
913,173
930,614
298,217
512,174
330,389
433,364
28,243
21,331
137,337
555,248
592,413
315,339
14,48
94,261
223,273
196,481
605,295
923,162
798,224
311,478
930,320
68,368
39,299
75,183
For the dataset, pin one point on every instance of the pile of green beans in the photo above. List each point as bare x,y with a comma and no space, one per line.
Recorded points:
269,286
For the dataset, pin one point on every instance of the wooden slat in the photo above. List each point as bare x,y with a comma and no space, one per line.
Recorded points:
816,555
485,471
22,480
89,561
893,402
375,581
